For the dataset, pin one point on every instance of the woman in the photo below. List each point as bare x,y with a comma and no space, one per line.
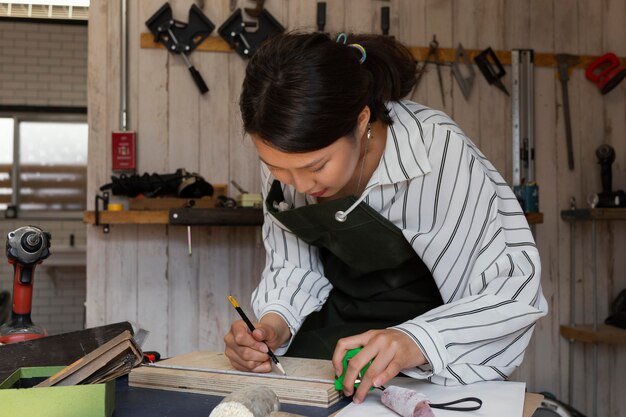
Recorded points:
385,227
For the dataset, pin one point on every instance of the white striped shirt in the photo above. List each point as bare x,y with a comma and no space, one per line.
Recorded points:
463,221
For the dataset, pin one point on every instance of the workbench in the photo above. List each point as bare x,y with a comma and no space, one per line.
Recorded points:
145,402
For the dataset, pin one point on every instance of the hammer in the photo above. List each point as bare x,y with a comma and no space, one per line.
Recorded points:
255,401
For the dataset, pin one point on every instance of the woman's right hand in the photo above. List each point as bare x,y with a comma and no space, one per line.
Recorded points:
248,351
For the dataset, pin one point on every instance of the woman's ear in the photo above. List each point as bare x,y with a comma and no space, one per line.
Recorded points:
363,120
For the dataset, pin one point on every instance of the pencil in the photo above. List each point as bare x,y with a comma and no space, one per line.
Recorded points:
251,327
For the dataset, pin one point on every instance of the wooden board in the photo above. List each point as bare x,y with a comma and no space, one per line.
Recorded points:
321,394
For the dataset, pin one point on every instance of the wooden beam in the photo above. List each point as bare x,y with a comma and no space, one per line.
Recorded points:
615,213
420,53
128,217
603,334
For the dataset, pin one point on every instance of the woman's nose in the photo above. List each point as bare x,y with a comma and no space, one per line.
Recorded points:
303,183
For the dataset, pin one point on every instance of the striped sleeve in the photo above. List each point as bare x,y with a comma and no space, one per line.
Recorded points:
468,228
292,283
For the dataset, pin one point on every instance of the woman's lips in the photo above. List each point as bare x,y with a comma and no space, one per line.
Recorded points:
319,193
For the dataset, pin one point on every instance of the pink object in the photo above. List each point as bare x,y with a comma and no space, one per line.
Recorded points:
407,402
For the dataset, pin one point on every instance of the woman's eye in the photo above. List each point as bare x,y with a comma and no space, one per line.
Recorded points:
319,169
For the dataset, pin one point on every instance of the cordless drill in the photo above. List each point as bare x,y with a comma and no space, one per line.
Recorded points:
608,197
27,247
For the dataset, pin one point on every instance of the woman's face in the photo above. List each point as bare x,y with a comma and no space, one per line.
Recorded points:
321,173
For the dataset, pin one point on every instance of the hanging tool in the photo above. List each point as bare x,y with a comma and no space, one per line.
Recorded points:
189,204
608,197
384,20
522,111
321,16
244,42
606,72
491,67
465,83
565,62
433,57
27,247
182,38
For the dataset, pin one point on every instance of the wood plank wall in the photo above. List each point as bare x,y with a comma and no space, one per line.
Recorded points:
143,273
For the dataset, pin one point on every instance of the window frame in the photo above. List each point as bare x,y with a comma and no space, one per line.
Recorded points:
18,117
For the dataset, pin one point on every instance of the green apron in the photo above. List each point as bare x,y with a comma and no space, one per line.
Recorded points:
378,279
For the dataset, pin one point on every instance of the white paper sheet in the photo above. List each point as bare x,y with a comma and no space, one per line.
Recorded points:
499,399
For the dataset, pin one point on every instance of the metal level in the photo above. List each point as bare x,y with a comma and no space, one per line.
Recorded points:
522,109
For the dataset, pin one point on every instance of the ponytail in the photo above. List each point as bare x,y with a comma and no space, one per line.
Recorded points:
302,92
393,71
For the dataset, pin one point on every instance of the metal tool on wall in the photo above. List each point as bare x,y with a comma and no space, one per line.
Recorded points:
462,64
433,57
182,38
522,112
244,42
491,67
565,62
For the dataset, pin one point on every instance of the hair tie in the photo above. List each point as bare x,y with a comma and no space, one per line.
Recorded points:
361,49
343,38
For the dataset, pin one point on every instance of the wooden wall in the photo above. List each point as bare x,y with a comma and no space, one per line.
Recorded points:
143,273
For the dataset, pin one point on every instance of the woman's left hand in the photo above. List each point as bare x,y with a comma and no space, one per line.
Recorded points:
390,351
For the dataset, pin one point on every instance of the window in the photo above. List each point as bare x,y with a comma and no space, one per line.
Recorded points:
50,175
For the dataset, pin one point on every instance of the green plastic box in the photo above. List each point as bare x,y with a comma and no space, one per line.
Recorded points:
96,400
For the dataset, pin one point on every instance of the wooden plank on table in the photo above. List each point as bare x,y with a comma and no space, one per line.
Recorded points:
293,391
420,53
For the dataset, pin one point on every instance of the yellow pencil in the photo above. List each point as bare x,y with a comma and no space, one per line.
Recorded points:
251,327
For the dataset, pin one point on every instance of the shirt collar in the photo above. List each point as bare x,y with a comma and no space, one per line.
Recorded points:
405,155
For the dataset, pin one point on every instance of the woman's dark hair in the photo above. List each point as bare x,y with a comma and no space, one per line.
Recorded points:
302,91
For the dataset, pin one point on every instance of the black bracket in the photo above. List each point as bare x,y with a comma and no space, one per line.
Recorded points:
182,38
105,206
245,42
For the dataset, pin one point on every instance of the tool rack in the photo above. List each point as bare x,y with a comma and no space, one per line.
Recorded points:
594,332
420,53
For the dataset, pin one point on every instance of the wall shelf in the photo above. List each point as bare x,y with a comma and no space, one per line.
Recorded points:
180,216
594,214
594,333
201,216
603,333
